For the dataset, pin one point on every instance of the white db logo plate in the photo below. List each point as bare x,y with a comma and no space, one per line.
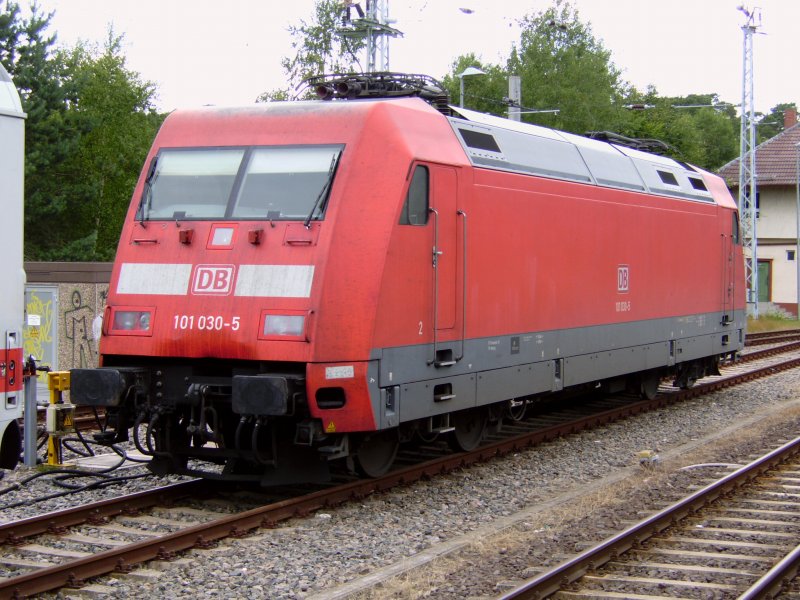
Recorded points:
623,278
213,279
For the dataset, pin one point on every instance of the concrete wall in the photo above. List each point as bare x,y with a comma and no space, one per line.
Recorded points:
777,216
69,297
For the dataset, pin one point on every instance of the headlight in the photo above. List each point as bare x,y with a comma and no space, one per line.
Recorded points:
286,325
132,320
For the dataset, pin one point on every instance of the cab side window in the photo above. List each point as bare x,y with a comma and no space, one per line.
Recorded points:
415,208
735,233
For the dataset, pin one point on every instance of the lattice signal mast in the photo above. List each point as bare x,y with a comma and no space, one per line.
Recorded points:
370,22
747,161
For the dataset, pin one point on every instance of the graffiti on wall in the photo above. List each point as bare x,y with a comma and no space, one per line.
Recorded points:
79,333
37,339
82,319
63,324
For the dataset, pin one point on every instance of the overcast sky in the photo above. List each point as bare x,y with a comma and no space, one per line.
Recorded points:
228,52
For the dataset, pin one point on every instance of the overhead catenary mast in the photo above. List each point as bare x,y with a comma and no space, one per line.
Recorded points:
370,23
748,194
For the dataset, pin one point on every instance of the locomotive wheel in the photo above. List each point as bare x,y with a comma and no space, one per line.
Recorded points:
377,452
470,425
649,385
688,374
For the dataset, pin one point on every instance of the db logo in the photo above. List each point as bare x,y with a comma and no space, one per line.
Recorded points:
213,279
623,278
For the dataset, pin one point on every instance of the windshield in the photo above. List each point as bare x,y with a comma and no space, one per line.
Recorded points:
275,183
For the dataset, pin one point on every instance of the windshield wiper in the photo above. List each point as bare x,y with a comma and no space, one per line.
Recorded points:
324,191
144,203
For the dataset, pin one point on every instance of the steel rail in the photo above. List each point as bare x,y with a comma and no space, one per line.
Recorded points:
770,585
74,573
15,532
545,584
759,354
771,340
766,334
551,581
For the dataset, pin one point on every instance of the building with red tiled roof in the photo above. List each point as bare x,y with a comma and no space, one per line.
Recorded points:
776,202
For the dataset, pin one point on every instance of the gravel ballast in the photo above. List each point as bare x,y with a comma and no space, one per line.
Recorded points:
536,498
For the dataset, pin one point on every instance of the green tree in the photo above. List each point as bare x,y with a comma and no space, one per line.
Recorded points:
114,108
484,93
564,66
718,128
10,31
318,49
50,133
698,128
89,124
771,124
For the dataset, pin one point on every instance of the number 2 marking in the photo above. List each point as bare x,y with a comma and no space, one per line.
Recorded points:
420,327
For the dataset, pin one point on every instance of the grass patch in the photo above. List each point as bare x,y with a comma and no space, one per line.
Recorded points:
770,323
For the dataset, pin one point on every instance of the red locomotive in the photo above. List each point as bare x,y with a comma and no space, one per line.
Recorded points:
303,282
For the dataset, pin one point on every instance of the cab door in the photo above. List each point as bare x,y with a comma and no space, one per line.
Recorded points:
446,261
444,208
432,203
730,238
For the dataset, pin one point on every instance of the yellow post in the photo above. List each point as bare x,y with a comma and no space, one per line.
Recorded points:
60,419
54,454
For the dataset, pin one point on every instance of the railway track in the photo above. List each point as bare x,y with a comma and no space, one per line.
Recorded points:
772,337
98,553
735,538
749,355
